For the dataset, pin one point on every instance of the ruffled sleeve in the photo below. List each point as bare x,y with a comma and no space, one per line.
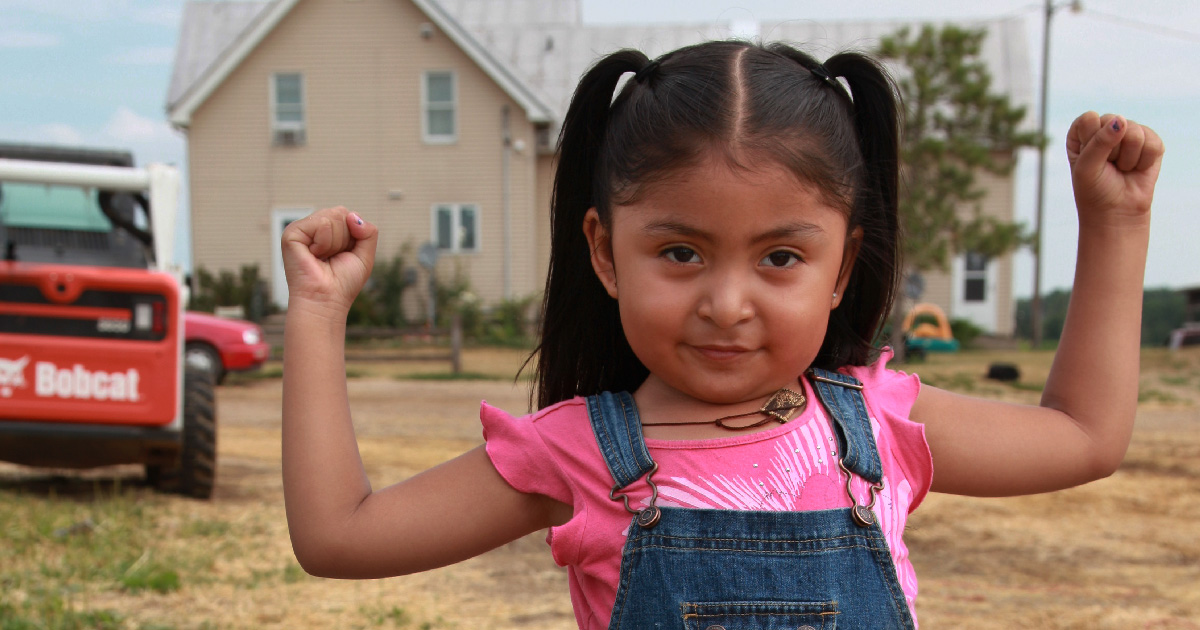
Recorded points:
521,455
890,396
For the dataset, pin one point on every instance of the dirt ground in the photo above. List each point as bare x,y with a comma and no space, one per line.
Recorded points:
1123,552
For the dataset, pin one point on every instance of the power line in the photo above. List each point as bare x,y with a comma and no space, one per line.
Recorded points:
1016,13
1121,20
1144,26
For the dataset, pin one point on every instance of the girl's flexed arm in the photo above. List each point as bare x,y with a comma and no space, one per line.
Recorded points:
1082,428
338,526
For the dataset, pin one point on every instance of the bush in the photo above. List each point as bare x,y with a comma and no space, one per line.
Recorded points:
245,289
506,323
509,323
454,295
965,331
381,302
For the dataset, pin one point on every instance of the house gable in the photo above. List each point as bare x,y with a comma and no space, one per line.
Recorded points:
363,145
203,83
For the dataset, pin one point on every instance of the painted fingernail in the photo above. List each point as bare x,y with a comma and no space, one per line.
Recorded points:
357,219
1116,126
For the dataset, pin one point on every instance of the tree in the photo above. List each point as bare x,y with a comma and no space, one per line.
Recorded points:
953,128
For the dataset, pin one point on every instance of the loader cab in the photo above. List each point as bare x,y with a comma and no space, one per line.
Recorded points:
73,225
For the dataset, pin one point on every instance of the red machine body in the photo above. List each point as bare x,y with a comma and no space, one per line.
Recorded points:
89,344
92,369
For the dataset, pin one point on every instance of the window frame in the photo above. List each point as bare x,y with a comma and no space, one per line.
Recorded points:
975,274
456,228
278,126
426,107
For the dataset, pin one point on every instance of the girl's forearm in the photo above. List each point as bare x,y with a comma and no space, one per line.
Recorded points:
323,477
1094,378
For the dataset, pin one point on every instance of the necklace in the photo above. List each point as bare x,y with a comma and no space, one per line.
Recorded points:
779,407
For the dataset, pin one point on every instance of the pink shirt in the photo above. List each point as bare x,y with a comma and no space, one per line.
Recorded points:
790,467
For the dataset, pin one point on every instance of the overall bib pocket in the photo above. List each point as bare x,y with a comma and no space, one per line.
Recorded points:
763,615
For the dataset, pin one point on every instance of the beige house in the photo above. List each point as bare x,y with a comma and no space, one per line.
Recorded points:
435,119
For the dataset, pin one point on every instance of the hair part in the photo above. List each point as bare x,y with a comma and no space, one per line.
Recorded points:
746,103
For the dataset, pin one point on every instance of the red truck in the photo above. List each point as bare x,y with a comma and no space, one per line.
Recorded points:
92,367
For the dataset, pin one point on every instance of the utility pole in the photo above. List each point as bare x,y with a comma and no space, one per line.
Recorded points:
506,192
1035,304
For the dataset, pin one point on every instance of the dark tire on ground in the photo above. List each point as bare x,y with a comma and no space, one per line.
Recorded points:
194,473
204,356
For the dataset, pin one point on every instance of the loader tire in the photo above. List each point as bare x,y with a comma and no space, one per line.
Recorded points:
193,474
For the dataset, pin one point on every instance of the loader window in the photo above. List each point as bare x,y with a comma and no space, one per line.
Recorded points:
51,207
66,225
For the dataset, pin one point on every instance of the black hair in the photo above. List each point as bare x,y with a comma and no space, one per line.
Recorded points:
747,102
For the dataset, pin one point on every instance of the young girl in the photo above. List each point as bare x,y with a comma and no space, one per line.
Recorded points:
716,444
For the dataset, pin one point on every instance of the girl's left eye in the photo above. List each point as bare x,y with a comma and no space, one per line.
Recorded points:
681,255
781,259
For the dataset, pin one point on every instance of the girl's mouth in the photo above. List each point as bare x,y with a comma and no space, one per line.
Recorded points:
716,352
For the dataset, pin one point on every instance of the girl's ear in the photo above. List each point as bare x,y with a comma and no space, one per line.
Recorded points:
600,246
849,255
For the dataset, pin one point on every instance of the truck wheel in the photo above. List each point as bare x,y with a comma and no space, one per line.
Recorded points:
194,473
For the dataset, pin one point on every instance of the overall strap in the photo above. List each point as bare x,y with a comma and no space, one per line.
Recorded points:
618,430
842,396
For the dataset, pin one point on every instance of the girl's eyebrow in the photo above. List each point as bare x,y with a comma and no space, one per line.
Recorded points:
798,230
668,227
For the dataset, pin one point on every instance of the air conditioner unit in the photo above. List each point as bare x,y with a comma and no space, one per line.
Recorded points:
542,139
289,137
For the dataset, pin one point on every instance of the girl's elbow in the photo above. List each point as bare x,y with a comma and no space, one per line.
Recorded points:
323,556
316,560
1106,461
341,559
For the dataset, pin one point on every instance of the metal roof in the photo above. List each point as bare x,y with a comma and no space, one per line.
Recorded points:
472,13
206,30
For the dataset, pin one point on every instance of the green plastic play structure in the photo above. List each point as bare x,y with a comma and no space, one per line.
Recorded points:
922,337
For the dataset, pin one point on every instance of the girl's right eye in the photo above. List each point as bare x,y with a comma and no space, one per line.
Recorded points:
681,255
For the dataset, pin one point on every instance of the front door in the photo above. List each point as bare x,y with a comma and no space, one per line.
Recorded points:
279,220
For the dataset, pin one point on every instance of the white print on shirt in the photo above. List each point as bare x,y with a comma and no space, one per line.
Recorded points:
777,488
809,451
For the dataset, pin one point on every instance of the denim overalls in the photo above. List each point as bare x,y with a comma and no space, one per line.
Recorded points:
701,569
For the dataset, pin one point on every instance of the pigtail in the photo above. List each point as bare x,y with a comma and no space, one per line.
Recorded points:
582,348
871,290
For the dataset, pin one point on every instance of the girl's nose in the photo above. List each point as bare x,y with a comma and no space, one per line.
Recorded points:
727,302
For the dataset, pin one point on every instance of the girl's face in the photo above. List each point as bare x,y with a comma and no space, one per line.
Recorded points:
725,279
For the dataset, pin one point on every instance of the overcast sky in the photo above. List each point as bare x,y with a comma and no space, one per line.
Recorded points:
95,73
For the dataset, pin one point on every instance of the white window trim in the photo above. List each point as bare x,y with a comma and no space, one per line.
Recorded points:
279,287
976,274
455,227
427,137
276,125
984,314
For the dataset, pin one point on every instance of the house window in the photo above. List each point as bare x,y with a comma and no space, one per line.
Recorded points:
287,105
440,121
456,227
975,277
